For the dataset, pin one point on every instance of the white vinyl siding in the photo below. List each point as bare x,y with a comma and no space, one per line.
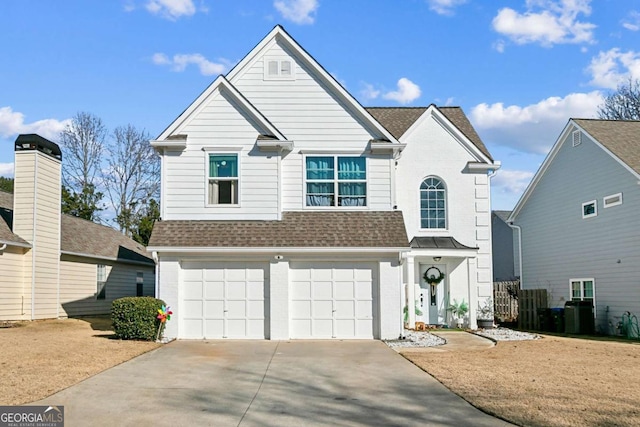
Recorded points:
219,123
15,293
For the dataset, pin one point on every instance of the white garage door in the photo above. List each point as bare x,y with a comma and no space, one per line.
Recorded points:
222,300
332,300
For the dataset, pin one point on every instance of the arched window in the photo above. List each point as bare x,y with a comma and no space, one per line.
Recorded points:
433,203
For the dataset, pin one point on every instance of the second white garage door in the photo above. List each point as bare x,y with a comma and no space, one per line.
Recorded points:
332,300
223,300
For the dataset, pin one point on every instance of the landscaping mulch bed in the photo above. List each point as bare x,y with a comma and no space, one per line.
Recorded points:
42,357
553,381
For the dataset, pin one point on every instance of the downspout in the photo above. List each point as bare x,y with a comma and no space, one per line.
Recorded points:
279,185
154,255
510,224
3,247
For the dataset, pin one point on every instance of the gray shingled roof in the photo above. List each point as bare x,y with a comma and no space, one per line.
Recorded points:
621,137
503,215
6,220
81,237
296,229
397,120
437,243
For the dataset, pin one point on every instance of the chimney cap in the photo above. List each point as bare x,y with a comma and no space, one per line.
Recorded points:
32,141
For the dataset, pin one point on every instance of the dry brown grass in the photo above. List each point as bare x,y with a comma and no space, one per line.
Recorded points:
40,358
554,381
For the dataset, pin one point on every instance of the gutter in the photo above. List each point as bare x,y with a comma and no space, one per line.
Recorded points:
18,244
273,249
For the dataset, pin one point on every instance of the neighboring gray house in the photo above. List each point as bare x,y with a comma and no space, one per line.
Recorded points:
502,244
579,222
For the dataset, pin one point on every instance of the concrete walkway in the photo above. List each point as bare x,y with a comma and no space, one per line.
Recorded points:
456,341
266,383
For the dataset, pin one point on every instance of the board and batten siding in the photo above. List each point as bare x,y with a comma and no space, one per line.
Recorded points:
559,245
304,110
78,284
37,220
432,151
15,295
220,123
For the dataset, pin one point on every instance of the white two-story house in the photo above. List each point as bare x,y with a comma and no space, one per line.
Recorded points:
290,211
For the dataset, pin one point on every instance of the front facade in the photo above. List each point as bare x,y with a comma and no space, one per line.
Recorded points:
54,265
283,206
578,224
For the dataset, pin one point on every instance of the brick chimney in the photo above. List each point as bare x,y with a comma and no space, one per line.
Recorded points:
36,218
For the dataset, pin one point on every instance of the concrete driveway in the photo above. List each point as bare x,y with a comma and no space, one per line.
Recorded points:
266,383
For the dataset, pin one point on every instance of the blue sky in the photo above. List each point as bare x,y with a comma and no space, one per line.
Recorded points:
519,69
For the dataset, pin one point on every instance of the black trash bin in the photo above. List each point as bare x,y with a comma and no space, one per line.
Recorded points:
545,321
557,315
578,317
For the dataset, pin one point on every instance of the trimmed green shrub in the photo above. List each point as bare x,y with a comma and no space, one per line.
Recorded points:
134,318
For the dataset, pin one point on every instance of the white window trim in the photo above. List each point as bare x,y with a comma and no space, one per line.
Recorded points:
612,204
280,60
335,181
595,210
446,207
582,280
104,286
221,151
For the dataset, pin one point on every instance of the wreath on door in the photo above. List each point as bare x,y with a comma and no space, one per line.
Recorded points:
433,276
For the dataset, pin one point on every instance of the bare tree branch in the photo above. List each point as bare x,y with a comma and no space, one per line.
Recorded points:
132,176
623,104
83,144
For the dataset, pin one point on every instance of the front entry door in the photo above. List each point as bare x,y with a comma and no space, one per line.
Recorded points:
433,298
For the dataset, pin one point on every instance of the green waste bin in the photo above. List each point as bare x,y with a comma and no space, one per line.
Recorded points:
578,317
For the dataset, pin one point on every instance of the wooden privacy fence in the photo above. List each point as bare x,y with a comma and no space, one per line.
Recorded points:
505,300
529,301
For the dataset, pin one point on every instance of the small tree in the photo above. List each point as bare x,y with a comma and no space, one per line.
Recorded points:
6,184
623,104
83,204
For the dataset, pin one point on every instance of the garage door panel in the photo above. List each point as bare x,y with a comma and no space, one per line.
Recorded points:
192,290
223,299
213,309
214,290
322,290
192,328
301,290
332,300
345,290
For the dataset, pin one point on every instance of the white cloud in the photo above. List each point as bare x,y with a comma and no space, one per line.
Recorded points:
298,11
171,9
499,45
632,23
444,7
547,22
180,61
511,181
6,169
533,128
369,92
613,67
12,123
407,92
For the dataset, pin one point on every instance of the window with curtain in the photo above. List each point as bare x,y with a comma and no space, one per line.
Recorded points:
582,289
336,181
223,179
433,204
101,279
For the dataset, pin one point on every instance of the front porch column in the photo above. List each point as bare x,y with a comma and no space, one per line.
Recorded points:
411,292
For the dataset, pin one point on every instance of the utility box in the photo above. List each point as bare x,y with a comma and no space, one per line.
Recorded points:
578,317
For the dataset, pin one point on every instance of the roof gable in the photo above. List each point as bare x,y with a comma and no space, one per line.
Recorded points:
279,35
223,85
400,121
617,138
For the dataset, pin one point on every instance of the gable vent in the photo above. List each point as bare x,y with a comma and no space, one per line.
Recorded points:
577,138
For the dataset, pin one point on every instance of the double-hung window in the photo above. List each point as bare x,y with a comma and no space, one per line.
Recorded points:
336,181
223,179
101,281
582,289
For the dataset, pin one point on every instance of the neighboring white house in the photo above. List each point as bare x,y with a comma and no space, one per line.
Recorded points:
54,265
290,211
578,220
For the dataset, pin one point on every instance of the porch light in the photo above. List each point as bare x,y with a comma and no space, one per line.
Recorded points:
437,258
